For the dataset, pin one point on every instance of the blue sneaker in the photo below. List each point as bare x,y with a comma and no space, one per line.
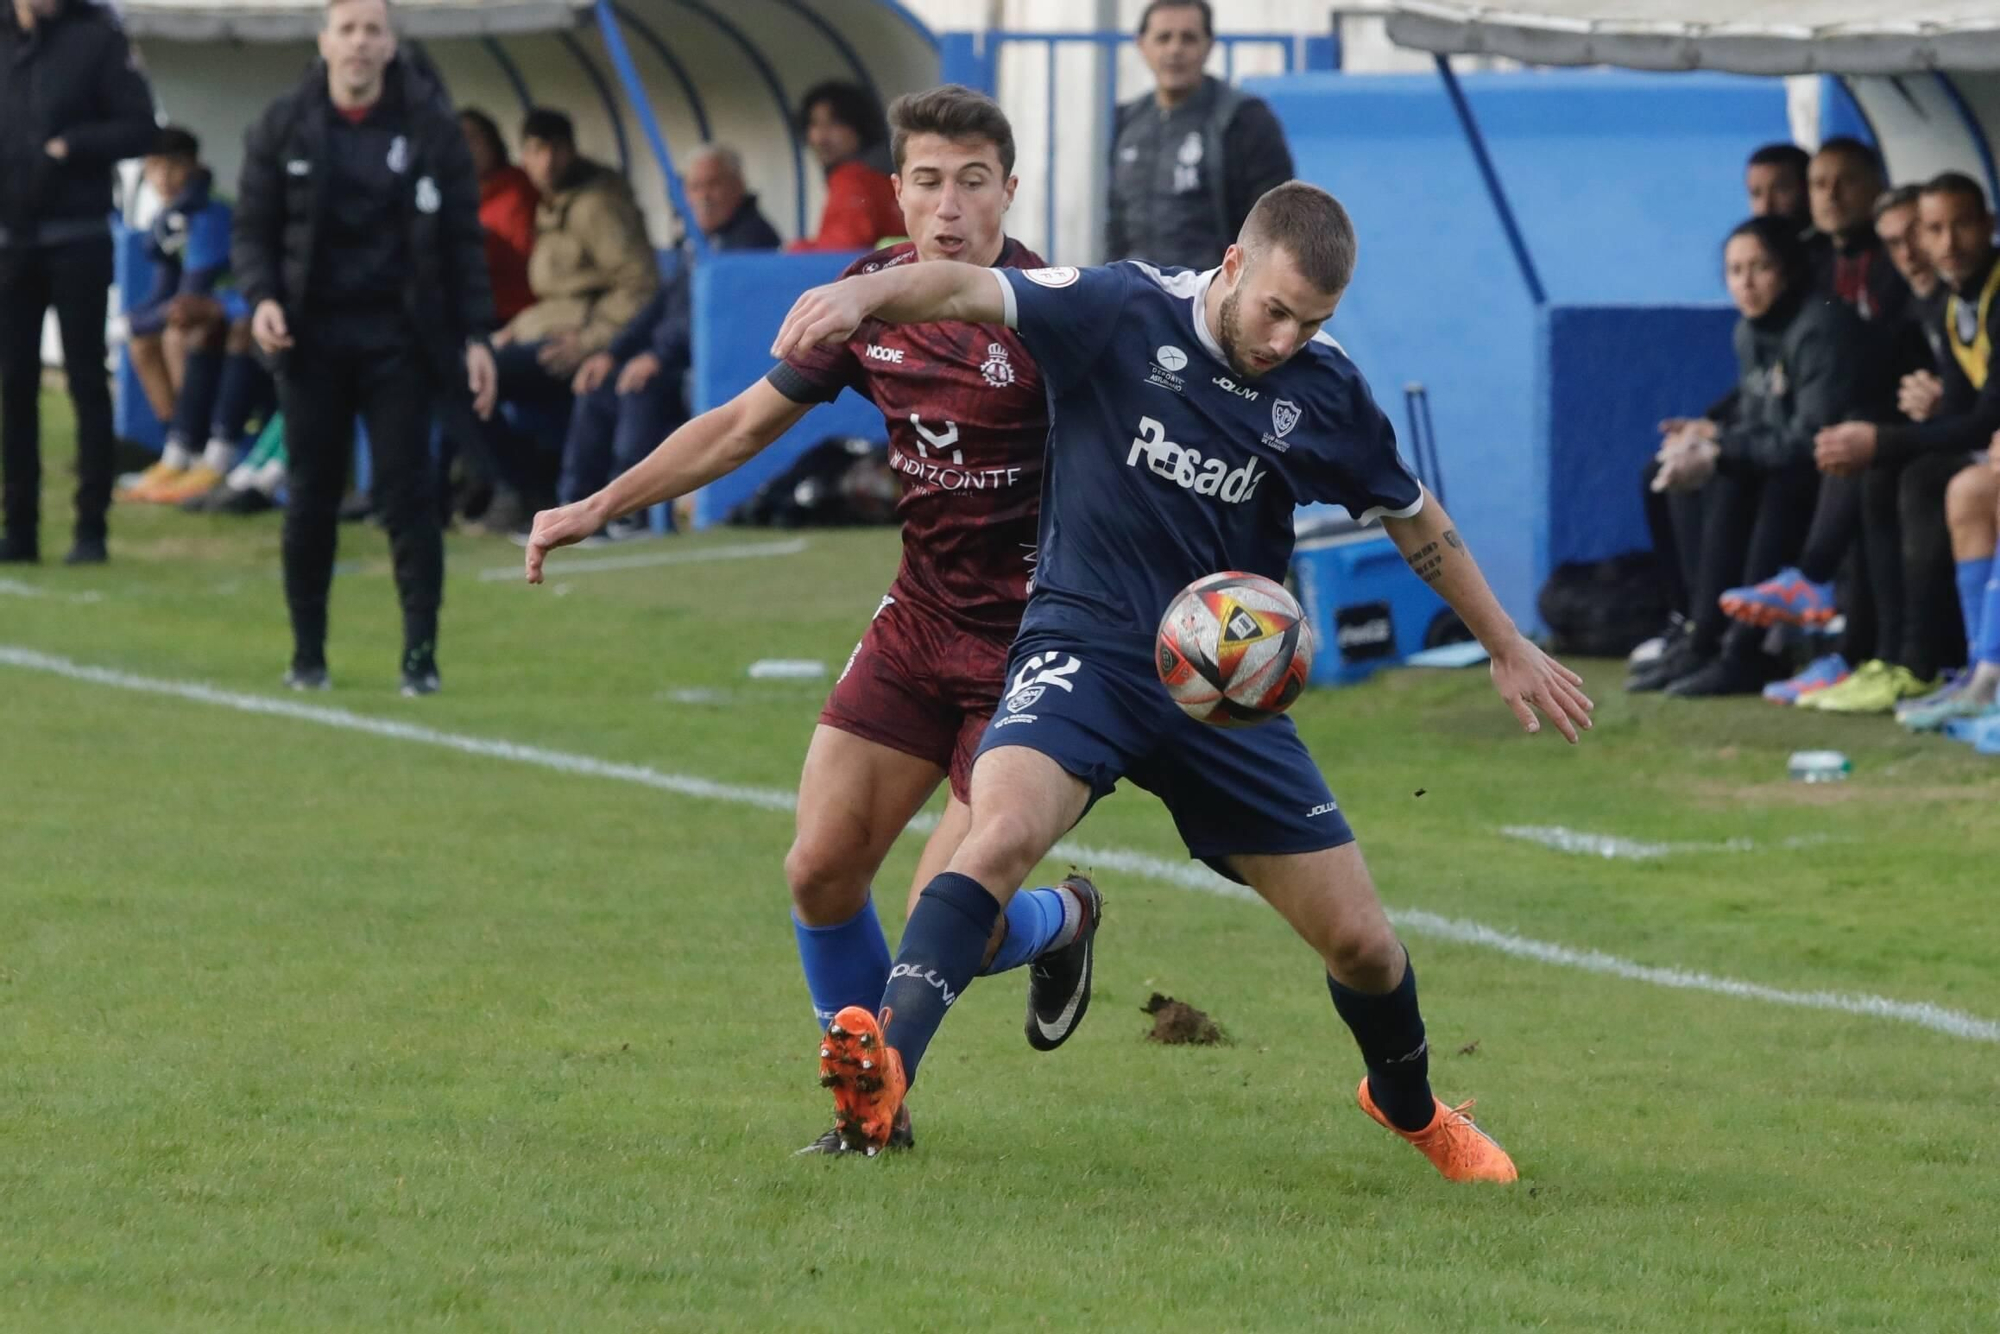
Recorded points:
1786,598
1981,733
1819,675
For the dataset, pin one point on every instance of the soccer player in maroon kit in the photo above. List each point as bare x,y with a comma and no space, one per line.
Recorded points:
968,420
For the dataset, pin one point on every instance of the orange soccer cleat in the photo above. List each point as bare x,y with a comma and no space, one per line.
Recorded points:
866,1077
1460,1150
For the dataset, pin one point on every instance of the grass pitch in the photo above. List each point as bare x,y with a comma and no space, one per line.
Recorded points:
310,1028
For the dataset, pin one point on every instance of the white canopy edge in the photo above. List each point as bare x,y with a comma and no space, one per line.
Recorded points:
1746,37
290,20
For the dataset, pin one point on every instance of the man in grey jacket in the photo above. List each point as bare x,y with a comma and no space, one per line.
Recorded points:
1190,158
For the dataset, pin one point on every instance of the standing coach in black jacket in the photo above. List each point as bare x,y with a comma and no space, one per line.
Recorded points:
358,245
72,103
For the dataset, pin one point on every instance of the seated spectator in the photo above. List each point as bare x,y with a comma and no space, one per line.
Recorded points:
1796,374
190,337
1775,180
629,396
508,200
593,270
845,129
1902,468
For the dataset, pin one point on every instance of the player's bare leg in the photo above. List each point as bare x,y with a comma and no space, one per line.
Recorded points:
1330,900
937,854
855,798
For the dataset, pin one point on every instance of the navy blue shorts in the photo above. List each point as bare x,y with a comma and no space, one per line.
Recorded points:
1104,716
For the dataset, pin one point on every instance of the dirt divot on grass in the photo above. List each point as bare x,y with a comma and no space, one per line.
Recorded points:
1178,1024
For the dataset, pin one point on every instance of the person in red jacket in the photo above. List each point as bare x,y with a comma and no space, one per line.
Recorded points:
507,200
846,131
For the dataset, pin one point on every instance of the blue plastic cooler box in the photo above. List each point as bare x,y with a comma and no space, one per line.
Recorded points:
1366,606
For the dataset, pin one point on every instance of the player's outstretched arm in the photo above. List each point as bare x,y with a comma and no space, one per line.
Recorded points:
1527,678
908,294
717,442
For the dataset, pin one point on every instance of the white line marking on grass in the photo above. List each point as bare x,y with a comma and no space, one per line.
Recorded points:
1613,848
647,560
1181,874
15,588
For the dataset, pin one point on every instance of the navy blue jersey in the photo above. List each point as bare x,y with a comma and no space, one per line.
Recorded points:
1163,464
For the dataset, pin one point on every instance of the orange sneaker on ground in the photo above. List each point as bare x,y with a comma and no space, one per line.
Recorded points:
1460,1150
866,1078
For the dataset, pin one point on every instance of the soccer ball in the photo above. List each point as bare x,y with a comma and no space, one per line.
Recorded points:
1234,649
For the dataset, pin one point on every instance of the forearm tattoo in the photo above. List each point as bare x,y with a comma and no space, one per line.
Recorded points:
1428,559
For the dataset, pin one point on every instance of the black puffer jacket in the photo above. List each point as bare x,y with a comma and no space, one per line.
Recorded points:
73,78
448,297
1797,370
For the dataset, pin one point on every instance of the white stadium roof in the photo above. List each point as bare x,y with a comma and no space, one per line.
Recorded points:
284,20
1742,36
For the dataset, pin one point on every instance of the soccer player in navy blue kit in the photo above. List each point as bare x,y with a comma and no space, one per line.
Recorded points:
1191,413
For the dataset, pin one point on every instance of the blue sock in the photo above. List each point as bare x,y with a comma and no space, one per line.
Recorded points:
1038,920
844,965
200,382
1972,577
236,398
1986,645
943,943
1389,1029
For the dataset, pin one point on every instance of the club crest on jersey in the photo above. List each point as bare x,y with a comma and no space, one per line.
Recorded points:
1965,321
1285,415
1060,276
998,368
1168,360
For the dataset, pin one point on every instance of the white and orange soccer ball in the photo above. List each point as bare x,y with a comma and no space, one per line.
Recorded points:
1234,649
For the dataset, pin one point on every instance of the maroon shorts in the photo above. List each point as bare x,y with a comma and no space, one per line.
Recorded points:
920,684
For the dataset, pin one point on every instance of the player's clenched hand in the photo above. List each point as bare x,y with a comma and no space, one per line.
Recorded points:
559,527
1531,681
827,314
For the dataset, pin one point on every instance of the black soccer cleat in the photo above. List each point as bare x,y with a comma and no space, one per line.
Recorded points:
304,676
1059,981
420,674
901,1136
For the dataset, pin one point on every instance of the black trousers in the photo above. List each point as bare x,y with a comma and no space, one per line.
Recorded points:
1754,523
1868,573
75,279
327,383
1920,625
1674,519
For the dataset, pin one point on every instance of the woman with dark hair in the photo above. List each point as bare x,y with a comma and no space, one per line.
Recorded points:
1797,358
845,129
507,200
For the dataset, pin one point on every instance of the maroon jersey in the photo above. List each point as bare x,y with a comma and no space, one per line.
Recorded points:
968,422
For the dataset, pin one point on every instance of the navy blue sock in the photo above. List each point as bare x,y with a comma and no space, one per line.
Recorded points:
1390,1032
847,964
195,403
943,943
242,387
1038,920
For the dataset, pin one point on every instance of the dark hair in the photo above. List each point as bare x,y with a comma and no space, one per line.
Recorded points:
1312,228
173,141
1847,146
1956,183
1784,243
851,104
1903,196
1781,155
954,112
485,127
1207,14
549,126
